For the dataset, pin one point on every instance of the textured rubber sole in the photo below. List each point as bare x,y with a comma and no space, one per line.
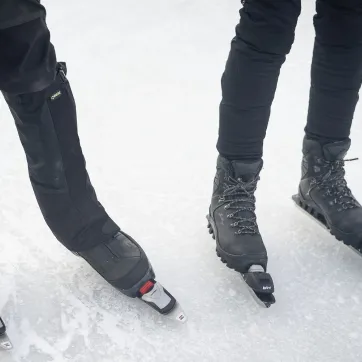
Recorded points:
230,264
355,244
233,262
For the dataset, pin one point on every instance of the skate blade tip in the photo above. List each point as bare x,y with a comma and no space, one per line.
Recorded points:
269,304
265,304
357,251
181,317
5,345
178,314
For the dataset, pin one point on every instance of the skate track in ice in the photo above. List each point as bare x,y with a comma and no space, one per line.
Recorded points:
146,78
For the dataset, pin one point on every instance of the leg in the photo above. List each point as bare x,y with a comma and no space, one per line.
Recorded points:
264,36
47,125
44,111
336,80
336,69
17,12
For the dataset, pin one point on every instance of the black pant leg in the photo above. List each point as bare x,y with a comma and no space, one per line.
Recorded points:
336,69
264,36
17,12
27,58
47,125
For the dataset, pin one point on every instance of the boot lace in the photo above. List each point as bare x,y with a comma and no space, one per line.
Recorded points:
334,184
237,195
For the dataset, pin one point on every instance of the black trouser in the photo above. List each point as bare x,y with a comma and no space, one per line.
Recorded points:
264,36
41,101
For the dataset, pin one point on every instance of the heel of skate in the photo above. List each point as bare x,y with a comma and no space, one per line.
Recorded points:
352,241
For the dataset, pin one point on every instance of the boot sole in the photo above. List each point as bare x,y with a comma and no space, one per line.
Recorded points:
232,261
353,241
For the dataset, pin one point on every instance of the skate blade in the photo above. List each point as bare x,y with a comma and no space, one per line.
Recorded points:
177,314
5,343
321,221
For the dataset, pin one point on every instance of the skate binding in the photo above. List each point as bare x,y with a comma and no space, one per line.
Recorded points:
157,297
260,284
5,343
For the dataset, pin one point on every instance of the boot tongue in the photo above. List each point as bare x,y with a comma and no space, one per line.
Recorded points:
245,170
336,150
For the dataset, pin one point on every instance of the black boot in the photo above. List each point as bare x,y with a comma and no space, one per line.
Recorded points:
324,193
122,262
232,221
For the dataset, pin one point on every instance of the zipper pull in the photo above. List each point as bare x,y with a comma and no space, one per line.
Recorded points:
62,71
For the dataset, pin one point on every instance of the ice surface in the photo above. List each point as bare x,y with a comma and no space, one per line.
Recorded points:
146,78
